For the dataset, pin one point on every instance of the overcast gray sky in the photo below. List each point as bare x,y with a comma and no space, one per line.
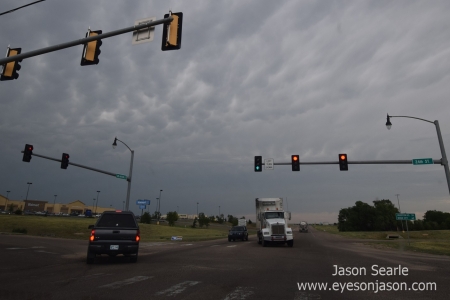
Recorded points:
270,78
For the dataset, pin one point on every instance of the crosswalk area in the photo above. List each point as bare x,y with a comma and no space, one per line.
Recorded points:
159,244
180,289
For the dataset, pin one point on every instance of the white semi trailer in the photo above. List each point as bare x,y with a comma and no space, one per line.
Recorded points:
271,222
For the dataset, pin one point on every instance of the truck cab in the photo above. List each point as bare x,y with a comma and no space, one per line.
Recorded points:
271,222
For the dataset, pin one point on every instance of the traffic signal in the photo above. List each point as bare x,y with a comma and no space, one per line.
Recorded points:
10,69
295,160
65,161
27,152
91,50
171,37
343,164
258,163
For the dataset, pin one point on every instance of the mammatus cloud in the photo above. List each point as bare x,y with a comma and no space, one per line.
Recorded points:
251,78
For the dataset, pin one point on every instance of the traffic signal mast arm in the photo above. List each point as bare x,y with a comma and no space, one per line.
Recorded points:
78,165
361,162
82,41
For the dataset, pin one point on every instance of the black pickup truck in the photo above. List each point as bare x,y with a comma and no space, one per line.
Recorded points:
115,232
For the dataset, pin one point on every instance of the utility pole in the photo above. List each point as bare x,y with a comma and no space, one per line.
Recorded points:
400,211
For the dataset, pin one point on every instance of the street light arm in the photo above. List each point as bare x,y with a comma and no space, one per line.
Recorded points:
124,144
411,118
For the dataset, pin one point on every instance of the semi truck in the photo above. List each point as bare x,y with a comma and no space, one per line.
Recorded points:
272,222
303,226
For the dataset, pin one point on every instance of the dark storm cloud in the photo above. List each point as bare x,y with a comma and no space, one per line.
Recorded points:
270,78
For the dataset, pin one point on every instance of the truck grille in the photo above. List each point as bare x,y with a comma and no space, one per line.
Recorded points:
277,229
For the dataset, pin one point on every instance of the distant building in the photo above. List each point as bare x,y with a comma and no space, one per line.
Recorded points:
76,206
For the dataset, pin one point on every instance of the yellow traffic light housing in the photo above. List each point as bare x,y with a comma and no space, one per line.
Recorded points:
171,38
91,50
10,69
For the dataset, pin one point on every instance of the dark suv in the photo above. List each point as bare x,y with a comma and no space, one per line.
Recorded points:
238,233
115,232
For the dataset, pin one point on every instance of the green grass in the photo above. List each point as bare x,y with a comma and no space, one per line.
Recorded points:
77,228
426,241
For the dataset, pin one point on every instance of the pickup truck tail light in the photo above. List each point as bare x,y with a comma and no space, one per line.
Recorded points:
138,236
92,237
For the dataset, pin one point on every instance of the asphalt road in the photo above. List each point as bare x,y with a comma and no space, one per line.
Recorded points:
49,268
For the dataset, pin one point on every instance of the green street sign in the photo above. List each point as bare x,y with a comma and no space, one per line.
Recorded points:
410,217
121,176
422,161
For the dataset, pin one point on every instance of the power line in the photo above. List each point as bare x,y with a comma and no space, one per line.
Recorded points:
6,12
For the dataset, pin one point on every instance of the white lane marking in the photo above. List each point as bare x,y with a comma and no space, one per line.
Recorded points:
240,293
42,251
231,246
154,244
83,277
119,284
178,288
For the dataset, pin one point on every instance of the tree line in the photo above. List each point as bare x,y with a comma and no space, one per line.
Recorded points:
381,217
202,220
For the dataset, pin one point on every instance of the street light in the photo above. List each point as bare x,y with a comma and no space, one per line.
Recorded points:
444,160
159,210
131,170
93,203
400,210
29,183
54,202
7,198
96,203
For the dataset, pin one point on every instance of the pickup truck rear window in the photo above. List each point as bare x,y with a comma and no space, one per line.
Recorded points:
116,220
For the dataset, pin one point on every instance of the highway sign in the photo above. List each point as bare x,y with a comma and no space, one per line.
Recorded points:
142,206
121,176
142,202
411,217
268,164
422,161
